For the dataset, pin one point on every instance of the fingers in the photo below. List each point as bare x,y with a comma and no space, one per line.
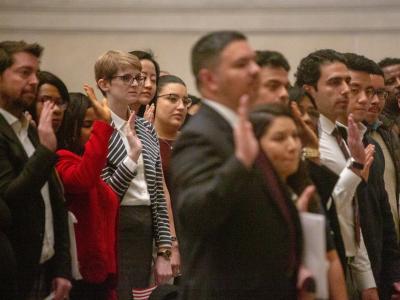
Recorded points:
243,109
90,93
304,199
46,115
132,122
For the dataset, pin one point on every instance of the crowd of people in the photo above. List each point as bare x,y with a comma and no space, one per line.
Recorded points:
152,193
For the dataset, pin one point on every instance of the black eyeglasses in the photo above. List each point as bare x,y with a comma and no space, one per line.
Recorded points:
381,93
129,79
174,98
56,100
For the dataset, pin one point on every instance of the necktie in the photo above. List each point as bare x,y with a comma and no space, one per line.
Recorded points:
340,133
276,193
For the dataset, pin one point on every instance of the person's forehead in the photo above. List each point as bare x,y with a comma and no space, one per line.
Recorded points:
377,81
360,78
392,70
24,58
237,50
269,73
334,69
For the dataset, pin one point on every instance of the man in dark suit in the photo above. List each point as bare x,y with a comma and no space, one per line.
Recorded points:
376,219
239,232
28,182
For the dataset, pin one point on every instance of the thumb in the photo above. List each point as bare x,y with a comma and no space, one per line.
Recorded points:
305,197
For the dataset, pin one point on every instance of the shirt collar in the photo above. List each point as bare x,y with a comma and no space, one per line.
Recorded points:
326,125
119,123
18,125
361,127
228,114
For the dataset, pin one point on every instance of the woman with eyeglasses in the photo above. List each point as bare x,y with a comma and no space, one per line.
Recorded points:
171,110
50,88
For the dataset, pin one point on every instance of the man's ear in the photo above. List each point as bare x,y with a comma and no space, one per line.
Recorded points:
208,79
103,85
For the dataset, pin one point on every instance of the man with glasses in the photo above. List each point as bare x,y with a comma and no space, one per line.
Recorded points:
375,217
28,182
143,213
388,142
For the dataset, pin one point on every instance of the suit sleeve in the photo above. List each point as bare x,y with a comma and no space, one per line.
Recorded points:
205,191
31,179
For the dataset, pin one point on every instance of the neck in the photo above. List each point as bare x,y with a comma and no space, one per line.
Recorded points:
342,119
135,106
120,109
12,109
165,132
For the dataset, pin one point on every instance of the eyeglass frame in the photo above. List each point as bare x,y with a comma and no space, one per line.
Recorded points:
132,80
187,105
385,94
63,105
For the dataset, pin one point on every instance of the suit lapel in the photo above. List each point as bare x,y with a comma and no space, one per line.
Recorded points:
15,143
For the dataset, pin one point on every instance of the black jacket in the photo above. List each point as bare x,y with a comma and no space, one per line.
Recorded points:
234,240
21,179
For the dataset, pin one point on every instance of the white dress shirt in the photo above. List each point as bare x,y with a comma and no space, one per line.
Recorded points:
20,128
343,193
137,193
228,114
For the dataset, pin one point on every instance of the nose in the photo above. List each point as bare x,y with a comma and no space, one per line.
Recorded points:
254,68
283,94
34,80
147,82
345,88
375,99
181,105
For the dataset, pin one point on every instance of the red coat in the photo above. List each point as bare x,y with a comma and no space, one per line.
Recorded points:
94,204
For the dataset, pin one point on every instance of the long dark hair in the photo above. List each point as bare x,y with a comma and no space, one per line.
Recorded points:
70,130
148,55
261,119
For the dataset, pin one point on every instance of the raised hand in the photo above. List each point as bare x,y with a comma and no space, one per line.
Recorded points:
100,108
308,136
246,144
369,158
354,141
133,140
304,199
47,137
149,113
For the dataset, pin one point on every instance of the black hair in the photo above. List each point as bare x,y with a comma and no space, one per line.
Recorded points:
46,77
9,48
275,59
206,51
297,94
70,131
389,61
361,63
167,79
309,69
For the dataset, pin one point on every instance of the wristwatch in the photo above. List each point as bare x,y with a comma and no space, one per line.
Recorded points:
165,253
353,164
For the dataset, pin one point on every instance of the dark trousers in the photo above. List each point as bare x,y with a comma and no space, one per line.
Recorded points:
135,241
82,290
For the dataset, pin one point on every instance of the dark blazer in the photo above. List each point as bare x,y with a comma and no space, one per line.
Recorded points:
234,240
377,225
8,266
21,179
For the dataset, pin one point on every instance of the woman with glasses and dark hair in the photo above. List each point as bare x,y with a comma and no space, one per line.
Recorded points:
50,88
150,68
172,105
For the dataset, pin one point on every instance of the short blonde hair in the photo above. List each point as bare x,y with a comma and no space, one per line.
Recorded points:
108,64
